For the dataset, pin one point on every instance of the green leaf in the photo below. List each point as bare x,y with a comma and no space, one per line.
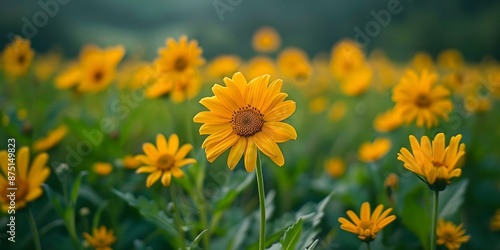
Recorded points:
151,212
76,187
313,245
291,236
97,215
236,185
451,199
197,239
275,246
415,215
53,198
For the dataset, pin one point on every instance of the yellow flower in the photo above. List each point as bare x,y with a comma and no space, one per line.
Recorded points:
348,66
17,56
494,82
185,86
28,181
318,104
450,59
391,180
246,117
367,225
22,114
473,104
266,39
434,164
49,141
337,110
223,65
179,57
130,162
46,65
450,235
370,152
335,167
164,160
101,238
157,84
69,77
102,168
422,61
260,66
495,221
388,121
418,99
98,67
293,64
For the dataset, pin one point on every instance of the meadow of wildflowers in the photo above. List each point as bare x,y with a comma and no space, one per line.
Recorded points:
346,149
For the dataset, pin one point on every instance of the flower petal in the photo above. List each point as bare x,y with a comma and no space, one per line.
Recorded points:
153,177
282,111
250,155
236,152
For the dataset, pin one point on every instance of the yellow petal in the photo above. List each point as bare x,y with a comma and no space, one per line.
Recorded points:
269,148
22,161
210,117
282,111
184,162
146,169
177,173
38,164
153,177
250,155
183,151
365,211
173,144
438,147
161,143
215,150
279,131
354,217
166,178
236,152
150,150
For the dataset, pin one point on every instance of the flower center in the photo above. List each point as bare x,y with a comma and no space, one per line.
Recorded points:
165,162
365,228
98,75
21,58
20,194
423,101
180,64
247,121
437,164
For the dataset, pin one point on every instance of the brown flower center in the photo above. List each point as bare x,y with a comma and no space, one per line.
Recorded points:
21,59
19,194
437,164
247,121
423,101
180,64
98,75
165,162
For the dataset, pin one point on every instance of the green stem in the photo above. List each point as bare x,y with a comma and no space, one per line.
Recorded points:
204,223
34,230
434,220
368,246
177,218
262,203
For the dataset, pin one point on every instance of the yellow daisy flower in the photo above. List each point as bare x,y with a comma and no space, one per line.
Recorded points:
422,61
164,160
179,57
335,167
258,66
391,181
223,65
388,121
418,99
101,238
346,58
370,152
246,117
450,235
98,67
294,64
185,86
130,162
46,65
318,104
28,179
69,77
450,59
52,138
266,39
434,164
495,221
17,57
367,225
102,168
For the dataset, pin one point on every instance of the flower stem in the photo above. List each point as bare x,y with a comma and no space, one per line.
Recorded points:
368,246
434,220
262,203
177,218
34,230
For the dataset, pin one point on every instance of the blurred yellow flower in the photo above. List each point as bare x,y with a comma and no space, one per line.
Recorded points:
101,238
266,39
318,104
130,162
337,110
391,180
434,164
98,67
294,64
450,59
246,117
473,104
418,99
349,67
422,61
102,168
260,66
335,167
450,235
52,138
17,57
494,82
46,65
185,86
22,114
223,65
164,160
157,84
388,121
69,77
495,221
370,152
368,224
28,179
179,57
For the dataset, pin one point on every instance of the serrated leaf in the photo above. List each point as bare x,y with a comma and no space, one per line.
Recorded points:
451,199
76,187
291,236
